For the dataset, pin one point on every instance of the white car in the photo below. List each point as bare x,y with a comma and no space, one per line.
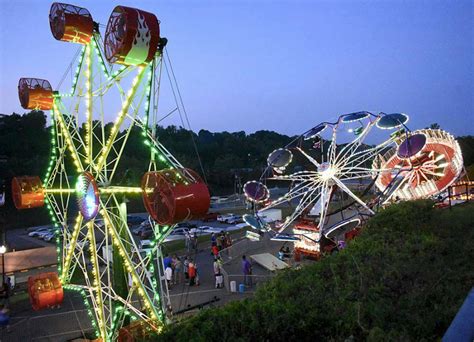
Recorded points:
234,219
177,234
203,230
223,218
39,231
48,237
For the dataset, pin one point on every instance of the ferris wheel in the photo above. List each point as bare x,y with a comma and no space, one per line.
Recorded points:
333,167
97,254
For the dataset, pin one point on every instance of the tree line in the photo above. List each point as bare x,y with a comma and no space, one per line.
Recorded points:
228,159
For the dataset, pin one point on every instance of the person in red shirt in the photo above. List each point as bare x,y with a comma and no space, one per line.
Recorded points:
215,251
191,273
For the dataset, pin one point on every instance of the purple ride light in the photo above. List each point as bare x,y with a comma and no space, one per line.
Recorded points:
411,146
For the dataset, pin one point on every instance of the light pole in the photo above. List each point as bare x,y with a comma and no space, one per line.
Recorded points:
3,250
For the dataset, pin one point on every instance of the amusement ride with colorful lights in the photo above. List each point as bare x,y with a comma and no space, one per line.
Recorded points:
340,164
122,287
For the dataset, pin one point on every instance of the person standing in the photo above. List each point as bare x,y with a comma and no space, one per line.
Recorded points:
195,241
217,272
214,251
247,271
191,273
196,278
167,261
219,242
186,268
168,275
187,241
178,269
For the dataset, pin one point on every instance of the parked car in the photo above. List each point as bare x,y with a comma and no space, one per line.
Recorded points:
48,237
203,230
210,217
133,220
210,230
234,219
39,231
145,246
180,231
143,226
223,218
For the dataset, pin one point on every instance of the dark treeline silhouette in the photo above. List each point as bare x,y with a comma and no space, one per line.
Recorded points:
25,147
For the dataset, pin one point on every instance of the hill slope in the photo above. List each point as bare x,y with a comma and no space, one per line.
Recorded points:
404,278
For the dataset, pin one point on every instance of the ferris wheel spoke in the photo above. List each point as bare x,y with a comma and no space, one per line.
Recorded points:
88,98
332,147
357,158
118,122
351,148
307,199
129,264
69,141
296,177
325,200
100,310
344,188
311,159
297,191
71,248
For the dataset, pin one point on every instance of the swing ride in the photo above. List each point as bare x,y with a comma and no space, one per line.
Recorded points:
341,165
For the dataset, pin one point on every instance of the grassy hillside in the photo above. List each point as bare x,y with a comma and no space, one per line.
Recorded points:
404,278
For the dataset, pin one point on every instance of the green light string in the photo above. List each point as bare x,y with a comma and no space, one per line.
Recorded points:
146,129
102,63
86,303
76,74
52,159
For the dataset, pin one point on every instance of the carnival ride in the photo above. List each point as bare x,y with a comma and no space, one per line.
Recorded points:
337,166
97,254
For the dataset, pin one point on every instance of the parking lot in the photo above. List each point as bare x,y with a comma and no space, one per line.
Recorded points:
18,239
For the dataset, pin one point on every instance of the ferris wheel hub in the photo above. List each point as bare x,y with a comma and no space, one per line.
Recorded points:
87,193
326,171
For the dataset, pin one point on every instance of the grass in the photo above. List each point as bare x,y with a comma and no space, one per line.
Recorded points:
403,279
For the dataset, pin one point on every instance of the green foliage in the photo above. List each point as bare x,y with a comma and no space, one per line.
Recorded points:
403,278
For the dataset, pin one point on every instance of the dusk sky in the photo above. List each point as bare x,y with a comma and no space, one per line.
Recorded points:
281,65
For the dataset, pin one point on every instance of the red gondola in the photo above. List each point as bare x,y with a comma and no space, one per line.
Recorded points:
170,197
131,37
27,192
71,23
35,93
45,290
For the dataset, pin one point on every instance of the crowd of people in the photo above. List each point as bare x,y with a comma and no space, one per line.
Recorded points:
179,269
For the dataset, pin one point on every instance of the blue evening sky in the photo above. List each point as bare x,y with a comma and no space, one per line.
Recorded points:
282,65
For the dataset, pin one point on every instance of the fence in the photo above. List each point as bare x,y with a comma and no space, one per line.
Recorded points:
239,279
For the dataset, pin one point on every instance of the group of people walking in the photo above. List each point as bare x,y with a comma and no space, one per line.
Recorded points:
177,268
220,242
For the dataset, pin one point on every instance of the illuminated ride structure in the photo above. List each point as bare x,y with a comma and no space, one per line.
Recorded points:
337,166
97,254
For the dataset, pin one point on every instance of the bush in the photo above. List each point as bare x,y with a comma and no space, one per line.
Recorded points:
403,278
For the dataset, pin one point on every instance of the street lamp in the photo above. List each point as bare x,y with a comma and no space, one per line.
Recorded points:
3,250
